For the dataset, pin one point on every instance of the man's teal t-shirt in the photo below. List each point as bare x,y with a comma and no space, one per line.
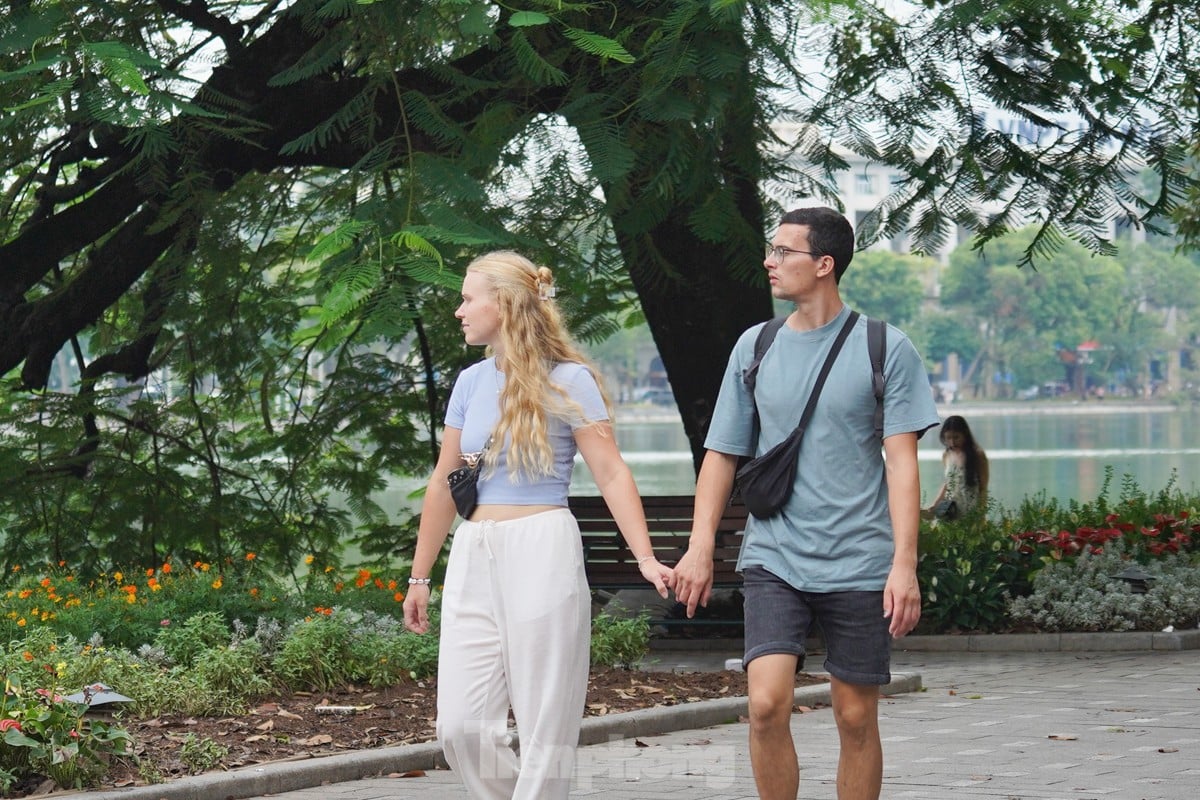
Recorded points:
834,534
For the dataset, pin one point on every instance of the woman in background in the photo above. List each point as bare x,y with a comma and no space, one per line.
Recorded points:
966,472
516,609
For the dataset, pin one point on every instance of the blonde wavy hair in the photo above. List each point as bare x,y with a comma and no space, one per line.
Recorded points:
535,340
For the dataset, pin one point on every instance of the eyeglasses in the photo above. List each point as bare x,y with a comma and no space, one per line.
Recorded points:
779,252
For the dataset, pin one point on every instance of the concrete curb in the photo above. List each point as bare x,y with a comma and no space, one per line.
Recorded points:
985,643
1052,642
290,776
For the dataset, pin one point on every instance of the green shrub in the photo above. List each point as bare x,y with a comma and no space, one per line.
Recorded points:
966,587
1083,595
183,642
619,642
316,652
237,672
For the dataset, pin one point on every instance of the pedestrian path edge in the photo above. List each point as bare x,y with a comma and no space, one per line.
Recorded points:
289,776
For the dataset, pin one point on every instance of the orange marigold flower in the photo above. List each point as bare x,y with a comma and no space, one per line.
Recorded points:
398,597
166,567
28,656
44,582
392,585
218,583
378,583
251,556
254,592
308,559
149,572
337,587
129,589
21,622
25,594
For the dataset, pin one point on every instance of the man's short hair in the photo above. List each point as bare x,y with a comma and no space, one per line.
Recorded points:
829,234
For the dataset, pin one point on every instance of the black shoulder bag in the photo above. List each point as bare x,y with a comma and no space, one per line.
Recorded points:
765,483
463,482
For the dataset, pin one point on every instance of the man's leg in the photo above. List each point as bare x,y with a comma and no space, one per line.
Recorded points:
771,682
860,763
859,662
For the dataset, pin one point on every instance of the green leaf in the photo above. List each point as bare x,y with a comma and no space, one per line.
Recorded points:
527,19
119,63
475,22
597,45
412,241
337,240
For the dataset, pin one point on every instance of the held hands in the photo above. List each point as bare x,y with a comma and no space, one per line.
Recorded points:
693,579
660,575
416,608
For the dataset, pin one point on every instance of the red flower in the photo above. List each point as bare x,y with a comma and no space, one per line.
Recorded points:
6,724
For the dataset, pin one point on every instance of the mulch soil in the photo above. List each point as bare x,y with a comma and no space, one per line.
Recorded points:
303,725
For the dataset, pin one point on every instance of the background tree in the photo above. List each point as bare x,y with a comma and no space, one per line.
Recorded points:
1027,317
886,285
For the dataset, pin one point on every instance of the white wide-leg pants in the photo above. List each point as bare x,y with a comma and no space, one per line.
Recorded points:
516,630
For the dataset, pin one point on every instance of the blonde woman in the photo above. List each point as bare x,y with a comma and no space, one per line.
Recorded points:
516,611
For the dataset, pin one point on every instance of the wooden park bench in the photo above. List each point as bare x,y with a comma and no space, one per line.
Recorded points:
611,567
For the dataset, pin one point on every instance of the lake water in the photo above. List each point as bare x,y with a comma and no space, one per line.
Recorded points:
1060,449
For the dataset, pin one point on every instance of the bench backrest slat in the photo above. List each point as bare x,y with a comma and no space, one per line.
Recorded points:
607,559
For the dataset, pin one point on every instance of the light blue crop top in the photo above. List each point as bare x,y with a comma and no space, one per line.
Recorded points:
474,408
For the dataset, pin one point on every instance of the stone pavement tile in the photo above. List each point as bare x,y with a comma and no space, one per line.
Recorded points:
988,726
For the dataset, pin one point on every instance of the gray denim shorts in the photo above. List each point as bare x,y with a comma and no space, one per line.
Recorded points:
779,618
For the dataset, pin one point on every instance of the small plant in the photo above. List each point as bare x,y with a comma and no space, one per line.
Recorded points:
619,642
46,734
316,652
201,754
184,642
966,587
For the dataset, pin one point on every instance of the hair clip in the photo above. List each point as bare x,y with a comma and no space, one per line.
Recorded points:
546,291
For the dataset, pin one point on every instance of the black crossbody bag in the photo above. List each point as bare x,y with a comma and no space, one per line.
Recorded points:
464,480
765,483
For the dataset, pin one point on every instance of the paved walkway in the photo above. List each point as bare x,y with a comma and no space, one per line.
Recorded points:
987,726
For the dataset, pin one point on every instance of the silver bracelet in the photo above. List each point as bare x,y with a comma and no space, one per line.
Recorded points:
419,581
643,560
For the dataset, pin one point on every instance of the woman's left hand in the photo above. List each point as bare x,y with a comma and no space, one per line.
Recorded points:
658,574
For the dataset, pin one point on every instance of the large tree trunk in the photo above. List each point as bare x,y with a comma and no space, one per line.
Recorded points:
695,317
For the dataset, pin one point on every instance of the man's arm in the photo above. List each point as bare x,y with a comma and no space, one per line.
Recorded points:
693,573
901,594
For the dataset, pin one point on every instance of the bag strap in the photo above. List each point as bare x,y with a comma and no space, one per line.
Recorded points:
828,365
766,335
877,347
763,343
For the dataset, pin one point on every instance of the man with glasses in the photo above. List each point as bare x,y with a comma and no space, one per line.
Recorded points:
841,556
